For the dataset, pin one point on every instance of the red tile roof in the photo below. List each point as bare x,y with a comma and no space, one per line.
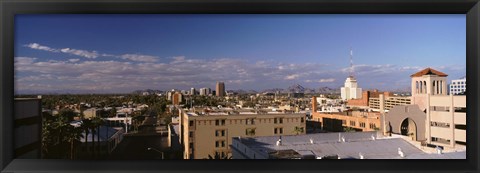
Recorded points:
429,71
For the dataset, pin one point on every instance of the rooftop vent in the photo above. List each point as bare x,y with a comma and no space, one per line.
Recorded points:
439,150
400,152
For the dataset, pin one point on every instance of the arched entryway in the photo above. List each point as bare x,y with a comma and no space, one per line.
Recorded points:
409,128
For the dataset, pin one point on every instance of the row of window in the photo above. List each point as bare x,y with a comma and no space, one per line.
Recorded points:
361,124
459,86
440,124
457,90
461,82
248,121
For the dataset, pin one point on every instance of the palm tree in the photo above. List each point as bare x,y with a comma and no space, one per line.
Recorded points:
97,122
218,156
298,130
348,129
87,126
73,135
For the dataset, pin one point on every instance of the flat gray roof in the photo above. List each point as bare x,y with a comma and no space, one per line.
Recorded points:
328,144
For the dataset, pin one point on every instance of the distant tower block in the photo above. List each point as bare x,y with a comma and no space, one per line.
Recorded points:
220,89
351,89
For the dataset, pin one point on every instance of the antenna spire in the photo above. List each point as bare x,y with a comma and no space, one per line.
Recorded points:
351,62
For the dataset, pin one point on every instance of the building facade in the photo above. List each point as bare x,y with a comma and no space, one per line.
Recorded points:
205,91
446,117
434,117
27,128
389,102
220,89
364,101
177,98
204,135
351,89
458,86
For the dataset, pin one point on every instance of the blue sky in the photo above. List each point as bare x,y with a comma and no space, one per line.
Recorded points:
122,53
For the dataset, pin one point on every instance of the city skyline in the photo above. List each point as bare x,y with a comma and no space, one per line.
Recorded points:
123,53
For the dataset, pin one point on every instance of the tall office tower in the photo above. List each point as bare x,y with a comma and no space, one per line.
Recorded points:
177,98
220,89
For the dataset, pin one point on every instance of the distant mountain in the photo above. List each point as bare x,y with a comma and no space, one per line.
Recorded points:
297,88
328,90
240,91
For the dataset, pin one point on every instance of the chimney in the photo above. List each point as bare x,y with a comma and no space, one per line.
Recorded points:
314,104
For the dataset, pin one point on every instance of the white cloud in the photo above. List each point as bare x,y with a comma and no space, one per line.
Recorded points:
139,58
84,53
183,73
291,77
74,60
40,47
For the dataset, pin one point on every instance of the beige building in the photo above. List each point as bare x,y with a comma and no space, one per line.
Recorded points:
389,102
336,122
358,121
446,115
206,134
434,117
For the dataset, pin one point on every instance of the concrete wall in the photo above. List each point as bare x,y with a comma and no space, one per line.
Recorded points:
398,114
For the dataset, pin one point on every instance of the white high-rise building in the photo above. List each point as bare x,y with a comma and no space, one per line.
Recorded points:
351,89
458,86
205,91
192,91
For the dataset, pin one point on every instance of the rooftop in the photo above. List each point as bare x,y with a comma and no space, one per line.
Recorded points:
344,145
429,71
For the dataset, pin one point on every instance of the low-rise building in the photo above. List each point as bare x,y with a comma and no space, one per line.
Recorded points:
211,132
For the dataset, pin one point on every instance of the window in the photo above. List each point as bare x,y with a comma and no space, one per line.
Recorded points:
220,143
362,124
190,134
302,120
278,130
352,123
220,122
278,120
439,124
190,123
190,145
250,121
219,132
